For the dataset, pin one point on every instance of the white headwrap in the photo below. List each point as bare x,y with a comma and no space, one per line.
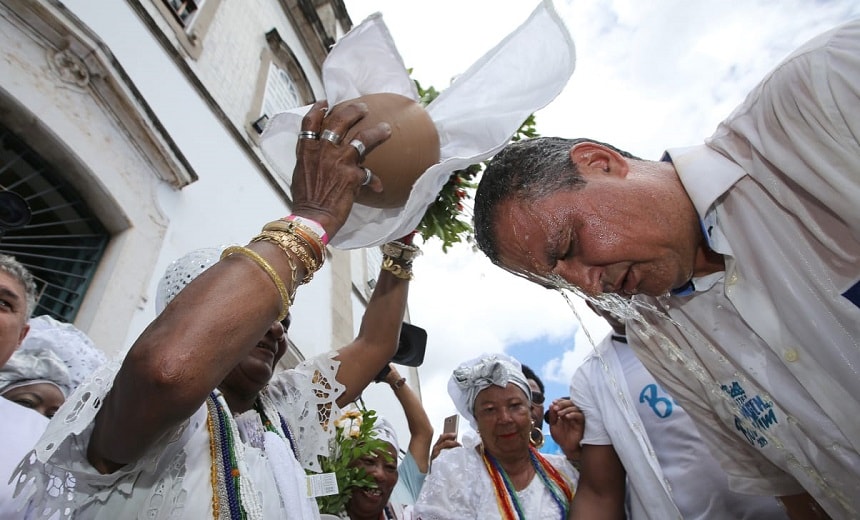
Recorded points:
182,271
385,432
475,117
54,352
32,367
477,374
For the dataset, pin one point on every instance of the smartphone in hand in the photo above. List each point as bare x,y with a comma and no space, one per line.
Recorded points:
451,424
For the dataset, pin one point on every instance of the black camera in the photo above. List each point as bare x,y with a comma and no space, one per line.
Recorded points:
14,211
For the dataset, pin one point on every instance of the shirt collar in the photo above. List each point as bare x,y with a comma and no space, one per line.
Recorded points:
705,175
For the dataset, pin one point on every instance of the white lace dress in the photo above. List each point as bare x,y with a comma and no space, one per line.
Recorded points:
174,479
459,488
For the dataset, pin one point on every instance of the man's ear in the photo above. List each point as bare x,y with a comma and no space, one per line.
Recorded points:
596,158
23,334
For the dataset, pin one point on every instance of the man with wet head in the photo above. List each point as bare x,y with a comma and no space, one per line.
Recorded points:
742,258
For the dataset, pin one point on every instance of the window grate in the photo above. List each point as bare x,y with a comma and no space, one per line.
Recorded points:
184,10
63,241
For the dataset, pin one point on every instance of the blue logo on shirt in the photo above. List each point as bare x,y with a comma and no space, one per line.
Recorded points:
757,415
662,406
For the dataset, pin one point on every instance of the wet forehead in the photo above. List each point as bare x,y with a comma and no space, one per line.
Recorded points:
527,237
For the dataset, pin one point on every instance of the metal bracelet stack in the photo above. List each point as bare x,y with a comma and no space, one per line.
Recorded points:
397,259
297,241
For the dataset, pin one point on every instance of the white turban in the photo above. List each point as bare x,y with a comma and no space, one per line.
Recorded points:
385,432
477,374
52,352
31,367
182,271
475,117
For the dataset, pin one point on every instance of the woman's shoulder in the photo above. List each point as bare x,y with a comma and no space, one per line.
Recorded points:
456,459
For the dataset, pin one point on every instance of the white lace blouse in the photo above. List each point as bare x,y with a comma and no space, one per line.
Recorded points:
174,478
459,488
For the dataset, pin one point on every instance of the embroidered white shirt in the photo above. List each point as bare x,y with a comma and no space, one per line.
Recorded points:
459,488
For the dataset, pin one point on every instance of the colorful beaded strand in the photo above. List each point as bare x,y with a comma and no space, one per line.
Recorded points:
507,504
214,455
228,461
285,432
553,480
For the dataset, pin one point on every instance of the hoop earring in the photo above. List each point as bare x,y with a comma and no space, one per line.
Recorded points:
536,438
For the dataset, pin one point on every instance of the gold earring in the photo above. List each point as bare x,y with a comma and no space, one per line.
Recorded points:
536,438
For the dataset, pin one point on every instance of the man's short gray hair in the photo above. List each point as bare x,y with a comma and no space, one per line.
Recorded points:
15,269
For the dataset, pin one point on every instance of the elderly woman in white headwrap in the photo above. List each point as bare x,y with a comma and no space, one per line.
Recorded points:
504,476
52,361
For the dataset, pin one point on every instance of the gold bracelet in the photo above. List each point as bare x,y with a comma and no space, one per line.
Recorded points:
303,232
400,271
294,270
290,244
265,266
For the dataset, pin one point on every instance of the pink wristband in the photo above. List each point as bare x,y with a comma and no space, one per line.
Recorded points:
315,226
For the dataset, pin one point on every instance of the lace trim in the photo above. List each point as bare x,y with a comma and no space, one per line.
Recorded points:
51,486
305,396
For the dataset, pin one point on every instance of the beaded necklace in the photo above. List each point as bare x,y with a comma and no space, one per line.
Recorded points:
285,431
508,503
225,470
227,503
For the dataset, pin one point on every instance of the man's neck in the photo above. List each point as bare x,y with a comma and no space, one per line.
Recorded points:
708,261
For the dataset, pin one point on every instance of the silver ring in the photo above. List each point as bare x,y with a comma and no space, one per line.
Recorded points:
330,136
308,134
359,146
367,176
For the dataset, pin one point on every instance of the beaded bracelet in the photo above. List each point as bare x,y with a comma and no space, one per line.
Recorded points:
265,266
288,243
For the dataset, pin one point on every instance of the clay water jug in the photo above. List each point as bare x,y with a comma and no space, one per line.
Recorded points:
399,161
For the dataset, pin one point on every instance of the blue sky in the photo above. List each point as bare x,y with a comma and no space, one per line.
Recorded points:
539,354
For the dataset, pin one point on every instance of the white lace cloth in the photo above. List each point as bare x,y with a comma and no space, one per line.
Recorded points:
173,479
20,427
459,488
